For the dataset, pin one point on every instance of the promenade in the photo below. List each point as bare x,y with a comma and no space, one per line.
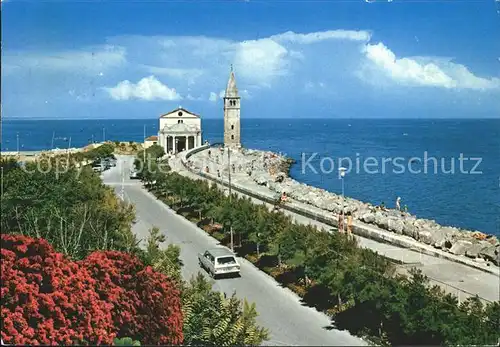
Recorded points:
454,274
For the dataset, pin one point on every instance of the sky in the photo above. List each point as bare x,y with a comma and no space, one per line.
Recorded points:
292,59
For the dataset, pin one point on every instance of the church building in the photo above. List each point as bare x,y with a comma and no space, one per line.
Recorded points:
180,129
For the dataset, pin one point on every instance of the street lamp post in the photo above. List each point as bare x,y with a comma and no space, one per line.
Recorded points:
230,194
103,134
144,147
1,183
342,171
17,140
69,146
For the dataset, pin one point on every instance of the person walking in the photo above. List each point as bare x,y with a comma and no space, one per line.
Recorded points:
398,203
341,222
349,223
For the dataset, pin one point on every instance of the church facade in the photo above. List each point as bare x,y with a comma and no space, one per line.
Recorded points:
180,129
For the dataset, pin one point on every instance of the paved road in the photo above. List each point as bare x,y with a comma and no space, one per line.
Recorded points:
280,310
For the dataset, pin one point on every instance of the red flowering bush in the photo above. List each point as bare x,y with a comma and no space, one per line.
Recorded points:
48,299
146,304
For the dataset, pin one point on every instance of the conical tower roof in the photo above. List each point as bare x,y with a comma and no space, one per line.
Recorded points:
231,90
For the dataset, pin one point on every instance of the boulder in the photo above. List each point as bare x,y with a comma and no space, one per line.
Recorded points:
491,253
368,218
381,220
474,250
409,229
425,237
460,247
395,225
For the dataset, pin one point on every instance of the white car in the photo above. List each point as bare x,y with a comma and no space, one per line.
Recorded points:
219,262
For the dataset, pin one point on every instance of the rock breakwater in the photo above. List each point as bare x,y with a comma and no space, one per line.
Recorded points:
472,244
269,169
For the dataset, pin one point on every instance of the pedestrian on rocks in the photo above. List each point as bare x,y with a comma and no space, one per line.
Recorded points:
349,223
209,153
206,169
341,222
234,168
398,205
218,173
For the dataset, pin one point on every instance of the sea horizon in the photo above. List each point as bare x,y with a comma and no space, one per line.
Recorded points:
447,198
10,118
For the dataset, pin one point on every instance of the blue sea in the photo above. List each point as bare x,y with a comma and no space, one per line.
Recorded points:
411,159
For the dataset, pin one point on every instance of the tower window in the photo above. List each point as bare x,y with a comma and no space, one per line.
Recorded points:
232,137
232,127
180,121
179,113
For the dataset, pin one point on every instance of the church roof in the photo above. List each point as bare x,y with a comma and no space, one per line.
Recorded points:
179,112
152,138
231,90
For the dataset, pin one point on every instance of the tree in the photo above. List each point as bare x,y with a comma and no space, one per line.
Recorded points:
155,151
166,260
73,210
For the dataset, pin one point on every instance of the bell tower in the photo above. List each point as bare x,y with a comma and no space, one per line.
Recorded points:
232,135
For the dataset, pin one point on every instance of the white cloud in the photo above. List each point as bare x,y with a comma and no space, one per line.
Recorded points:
244,94
195,98
263,58
314,86
93,60
212,97
274,70
437,74
148,88
309,38
180,73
